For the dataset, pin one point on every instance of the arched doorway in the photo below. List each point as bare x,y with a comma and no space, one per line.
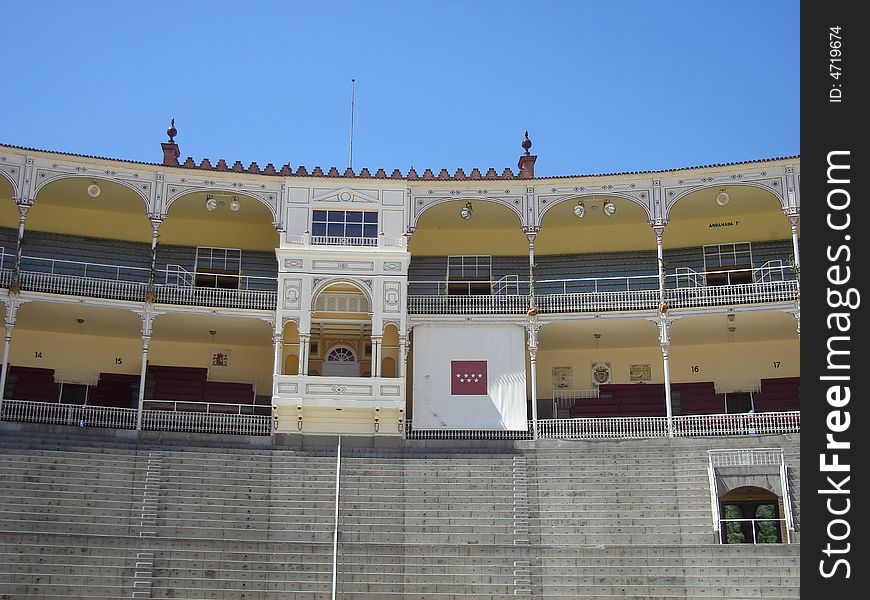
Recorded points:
750,515
341,361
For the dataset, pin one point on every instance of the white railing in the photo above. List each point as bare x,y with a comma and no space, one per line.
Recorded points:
334,240
76,415
491,305
737,424
741,457
614,428
217,297
687,288
465,434
197,422
509,285
98,280
603,428
724,295
205,407
74,285
25,411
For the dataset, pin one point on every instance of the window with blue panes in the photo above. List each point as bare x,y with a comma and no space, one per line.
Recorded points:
344,223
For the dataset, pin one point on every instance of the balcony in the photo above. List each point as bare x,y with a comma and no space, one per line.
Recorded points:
173,285
338,392
381,242
772,282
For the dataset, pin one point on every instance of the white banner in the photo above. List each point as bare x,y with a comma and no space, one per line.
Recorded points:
469,377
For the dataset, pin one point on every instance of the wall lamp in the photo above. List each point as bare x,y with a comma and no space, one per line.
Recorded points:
609,208
212,204
466,211
94,190
579,210
722,198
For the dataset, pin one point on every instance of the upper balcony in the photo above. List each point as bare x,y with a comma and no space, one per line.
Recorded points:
325,242
172,284
686,288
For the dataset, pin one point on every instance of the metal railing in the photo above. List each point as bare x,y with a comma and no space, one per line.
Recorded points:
755,528
598,428
741,457
772,282
99,280
77,415
26,411
206,407
198,422
335,240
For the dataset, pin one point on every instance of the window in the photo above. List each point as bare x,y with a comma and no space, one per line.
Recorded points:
344,226
469,275
341,354
218,267
728,264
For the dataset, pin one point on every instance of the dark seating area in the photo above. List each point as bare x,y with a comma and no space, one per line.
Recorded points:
115,389
778,394
31,383
623,400
698,398
190,384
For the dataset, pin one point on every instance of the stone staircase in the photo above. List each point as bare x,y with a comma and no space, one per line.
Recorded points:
88,516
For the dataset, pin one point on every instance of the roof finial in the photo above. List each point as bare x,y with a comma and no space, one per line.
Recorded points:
171,131
527,143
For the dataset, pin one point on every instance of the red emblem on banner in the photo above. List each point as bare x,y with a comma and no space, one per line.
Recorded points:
468,378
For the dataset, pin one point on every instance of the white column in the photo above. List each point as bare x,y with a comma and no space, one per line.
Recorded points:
304,349
531,233
793,220
278,341
402,367
533,328
377,340
9,324
665,343
147,319
660,254
23,208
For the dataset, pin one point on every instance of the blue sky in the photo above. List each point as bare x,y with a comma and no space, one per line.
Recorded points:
601,86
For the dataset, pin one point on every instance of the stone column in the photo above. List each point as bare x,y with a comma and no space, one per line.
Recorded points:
9,325
278,341
377,341
304,349
665,344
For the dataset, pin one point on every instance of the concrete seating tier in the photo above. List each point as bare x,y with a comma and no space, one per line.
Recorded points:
91,516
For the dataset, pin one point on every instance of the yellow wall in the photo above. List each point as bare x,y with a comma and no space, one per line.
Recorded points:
92,223
730,366
75,357
443,242
751,228
574,236
82,357
218,233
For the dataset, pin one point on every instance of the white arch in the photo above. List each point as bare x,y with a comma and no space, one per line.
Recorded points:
208,190
438,201
322,285
671,202
142,195
12,182
575,197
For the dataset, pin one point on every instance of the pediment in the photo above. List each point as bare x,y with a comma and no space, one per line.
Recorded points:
346,195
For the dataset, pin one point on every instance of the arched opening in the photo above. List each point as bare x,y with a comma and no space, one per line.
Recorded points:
341,330
290,350
91,208
745,239
219,240
486,254
751,515
9,216
390,351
